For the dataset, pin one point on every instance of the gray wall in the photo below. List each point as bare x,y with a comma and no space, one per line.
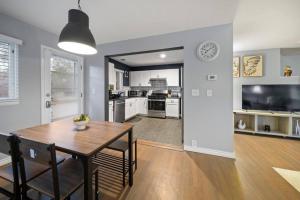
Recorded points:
206,119
271,74
27,113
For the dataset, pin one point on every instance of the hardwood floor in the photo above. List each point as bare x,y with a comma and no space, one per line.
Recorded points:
173,175
165,174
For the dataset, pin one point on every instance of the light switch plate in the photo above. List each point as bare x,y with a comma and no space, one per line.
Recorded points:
209,92
195,92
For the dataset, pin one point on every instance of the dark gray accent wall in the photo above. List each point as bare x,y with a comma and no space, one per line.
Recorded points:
206,119
28,112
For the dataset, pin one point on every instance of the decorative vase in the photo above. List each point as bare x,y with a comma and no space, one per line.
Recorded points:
287,71
297,128
241,125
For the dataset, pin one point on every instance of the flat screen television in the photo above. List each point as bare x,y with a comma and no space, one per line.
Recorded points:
271,97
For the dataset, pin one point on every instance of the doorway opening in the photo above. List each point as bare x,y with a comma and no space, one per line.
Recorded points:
62,85
146,89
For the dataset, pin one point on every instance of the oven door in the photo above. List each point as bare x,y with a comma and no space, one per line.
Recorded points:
157,105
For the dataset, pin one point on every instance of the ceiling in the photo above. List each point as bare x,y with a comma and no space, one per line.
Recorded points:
115,20
258,24
263,24
172,57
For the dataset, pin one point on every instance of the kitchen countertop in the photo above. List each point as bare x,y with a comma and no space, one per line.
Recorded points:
125,98
140,97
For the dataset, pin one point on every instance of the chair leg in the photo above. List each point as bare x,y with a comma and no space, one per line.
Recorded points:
124,172
135,154
24,190
96,184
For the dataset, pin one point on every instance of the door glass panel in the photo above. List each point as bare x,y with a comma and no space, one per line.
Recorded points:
65,87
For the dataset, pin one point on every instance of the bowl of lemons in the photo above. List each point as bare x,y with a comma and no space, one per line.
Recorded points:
81,121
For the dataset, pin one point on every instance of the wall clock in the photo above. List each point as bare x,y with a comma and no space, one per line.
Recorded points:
208,51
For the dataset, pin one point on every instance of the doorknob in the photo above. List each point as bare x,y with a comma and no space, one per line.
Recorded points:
48,104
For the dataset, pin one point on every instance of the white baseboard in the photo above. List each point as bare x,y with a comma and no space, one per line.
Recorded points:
210,151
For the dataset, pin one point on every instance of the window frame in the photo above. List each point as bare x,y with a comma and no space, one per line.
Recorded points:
13,71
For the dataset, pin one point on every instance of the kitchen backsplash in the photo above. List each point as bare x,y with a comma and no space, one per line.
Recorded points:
147,88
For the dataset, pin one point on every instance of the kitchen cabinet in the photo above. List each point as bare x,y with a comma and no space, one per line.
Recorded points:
142,106
130,108
112,75
135,78
135,106
172,107
172,76
141,78
111,111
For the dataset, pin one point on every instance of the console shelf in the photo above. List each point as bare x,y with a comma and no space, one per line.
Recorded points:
281,124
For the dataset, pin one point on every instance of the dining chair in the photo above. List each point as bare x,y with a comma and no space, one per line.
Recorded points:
10,171
110,161
62,180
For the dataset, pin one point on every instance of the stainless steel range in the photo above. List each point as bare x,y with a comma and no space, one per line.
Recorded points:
157,103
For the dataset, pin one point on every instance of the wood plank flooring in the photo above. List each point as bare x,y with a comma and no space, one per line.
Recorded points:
173,175
165,174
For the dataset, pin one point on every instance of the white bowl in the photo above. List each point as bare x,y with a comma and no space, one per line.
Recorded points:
81,125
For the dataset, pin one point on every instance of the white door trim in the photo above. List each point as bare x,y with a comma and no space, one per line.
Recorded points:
66,55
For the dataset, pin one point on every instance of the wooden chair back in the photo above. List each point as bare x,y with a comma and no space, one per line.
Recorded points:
42,154
8,145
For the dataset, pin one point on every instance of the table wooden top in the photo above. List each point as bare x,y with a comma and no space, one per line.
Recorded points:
67,139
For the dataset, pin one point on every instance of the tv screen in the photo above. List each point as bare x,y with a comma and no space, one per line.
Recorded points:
271,97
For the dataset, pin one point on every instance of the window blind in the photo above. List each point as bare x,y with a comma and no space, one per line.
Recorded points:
8,72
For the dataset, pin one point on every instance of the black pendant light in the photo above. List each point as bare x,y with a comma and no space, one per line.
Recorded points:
76,36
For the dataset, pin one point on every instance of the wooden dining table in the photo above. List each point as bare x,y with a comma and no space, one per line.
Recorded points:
82,144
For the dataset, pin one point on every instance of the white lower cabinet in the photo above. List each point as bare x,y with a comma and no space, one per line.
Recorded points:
111,111
142,106
172,108
130,108
135,106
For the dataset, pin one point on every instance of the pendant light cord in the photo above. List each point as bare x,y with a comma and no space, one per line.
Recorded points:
79,7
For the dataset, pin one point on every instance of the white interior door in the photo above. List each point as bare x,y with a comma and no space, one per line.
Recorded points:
62,85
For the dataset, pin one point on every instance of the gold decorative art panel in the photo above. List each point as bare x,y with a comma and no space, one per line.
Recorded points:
253,66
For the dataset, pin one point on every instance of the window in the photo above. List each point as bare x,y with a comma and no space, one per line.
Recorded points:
9,70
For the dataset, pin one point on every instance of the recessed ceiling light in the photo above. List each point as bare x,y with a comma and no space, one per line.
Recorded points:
163,55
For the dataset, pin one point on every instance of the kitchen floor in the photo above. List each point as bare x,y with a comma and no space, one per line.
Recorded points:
167,131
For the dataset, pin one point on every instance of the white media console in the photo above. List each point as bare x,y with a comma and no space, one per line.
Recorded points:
281,124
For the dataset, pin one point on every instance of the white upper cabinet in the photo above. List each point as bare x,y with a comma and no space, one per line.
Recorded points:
172,77
111,75
141,78
134,78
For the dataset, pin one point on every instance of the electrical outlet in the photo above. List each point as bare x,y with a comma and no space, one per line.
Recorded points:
194,143
209,92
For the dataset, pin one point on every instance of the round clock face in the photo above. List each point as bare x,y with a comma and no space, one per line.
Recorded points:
208,51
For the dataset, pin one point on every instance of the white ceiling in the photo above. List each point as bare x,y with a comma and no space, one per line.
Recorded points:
115,20
258,24
262,24
175,56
